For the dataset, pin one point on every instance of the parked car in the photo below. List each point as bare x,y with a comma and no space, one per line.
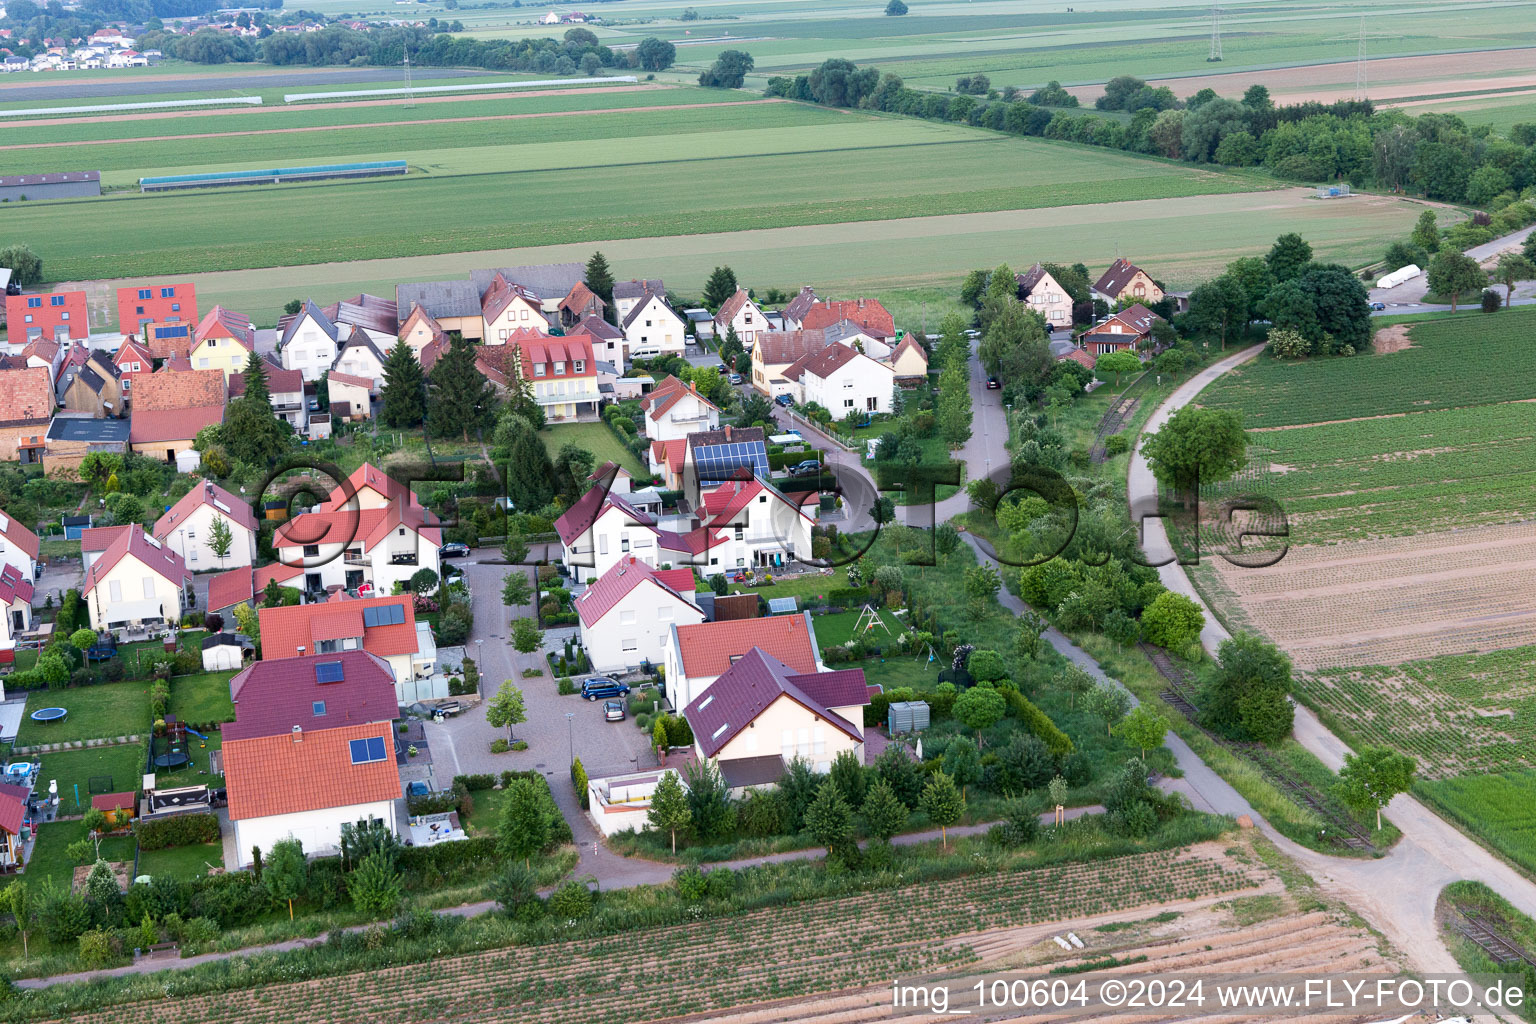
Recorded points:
993,383
785,401
1378,305
734,378
602,686
418,788
805,468
453,549
613,711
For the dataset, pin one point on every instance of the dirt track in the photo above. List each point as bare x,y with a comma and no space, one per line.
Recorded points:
155,115
1390,77
387,124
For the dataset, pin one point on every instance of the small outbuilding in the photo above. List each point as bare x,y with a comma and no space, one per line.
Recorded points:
226,651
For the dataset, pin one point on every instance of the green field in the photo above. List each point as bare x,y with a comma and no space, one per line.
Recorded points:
1432,440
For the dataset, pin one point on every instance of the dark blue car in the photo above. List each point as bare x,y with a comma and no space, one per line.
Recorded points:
601,686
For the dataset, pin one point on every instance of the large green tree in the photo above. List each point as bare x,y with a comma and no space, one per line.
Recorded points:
255,374
1370,779
1248,696
943,804
404,391
1196,446
506,708
599,278
524,827
1219,308
1514,266
458,395
25,266
719,286
285,871
252,433
655,54
1288,255
1327,305
669,808
729,71
530,475
1452,273
829,820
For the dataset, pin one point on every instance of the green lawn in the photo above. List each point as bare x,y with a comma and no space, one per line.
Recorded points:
832,630
75,768
181,861
813,585
202,698
49,860
95,712
595,438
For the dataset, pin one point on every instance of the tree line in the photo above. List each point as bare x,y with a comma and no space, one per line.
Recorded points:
1437,155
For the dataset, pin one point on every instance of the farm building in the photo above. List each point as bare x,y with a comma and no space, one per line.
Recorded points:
58,185
271,175
71,438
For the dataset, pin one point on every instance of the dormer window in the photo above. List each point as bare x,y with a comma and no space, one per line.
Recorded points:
559,367
580,366
538,369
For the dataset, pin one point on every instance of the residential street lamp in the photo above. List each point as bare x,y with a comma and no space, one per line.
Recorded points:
570,737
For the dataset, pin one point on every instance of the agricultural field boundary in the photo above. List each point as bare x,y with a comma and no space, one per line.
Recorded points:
301,97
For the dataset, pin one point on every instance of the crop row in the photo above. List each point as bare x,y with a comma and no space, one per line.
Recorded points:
714,962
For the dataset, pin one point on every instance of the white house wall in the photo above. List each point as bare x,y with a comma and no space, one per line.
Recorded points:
319,831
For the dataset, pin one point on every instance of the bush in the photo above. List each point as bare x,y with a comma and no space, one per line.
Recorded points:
475,783
501,746
1039,723
567,686
182,830
691,883
572,901
97,948
1492,300
1020,827
1116,444
520,745
1172,621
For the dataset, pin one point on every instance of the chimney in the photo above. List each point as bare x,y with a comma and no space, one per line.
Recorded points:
298,734
727,431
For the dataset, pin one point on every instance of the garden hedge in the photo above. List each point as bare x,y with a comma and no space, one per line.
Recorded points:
182,830
1039,723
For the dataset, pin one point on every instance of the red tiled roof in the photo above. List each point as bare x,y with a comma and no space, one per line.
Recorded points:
674,451
284,630
275,775
580,297
828,360
149,426
13,807
19,535
707,647
153,555
694,542
99,538
724,502
275,694
279,381
908,342
26,396
228,589
666,394
787,346
618,582
747,688
336,377
680,580
179,390
14,587
204,492
1077,355
731,307
134,351
867,313
500,295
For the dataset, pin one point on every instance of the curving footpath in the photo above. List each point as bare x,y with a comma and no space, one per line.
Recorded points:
1396,892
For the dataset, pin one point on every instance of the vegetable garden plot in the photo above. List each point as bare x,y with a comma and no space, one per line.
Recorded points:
717,962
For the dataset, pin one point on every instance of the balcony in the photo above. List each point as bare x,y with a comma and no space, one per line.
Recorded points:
403,558
352,558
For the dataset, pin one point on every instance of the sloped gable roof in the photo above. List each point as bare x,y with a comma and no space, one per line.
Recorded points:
18,535
1119,274
644,304
275,694
731,307
290,325
707,648
205,492
778,347
271,775
864,312
800,305
26,396
284,630
621,579
637,289
596,327
224,323
590,507
755,682
153,555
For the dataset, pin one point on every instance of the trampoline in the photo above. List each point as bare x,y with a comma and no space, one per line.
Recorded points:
172,759
46,715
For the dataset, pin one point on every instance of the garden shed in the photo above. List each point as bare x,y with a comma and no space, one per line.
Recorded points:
907,716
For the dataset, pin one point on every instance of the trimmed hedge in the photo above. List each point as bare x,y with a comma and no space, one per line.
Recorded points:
476,782
1039,723
847,596
182,830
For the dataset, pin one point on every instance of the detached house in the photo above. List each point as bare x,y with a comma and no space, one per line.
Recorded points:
312,748
358,356
600,530
673,410
308,341
795,311
26,409
628,614
562,371
170,407
608,344
579,303
653,329
843,381
774,352
760,714
741,313
1045,295
1128,329
1125,282
222,341
628,294
508,307
385,627
909,361
701,653
370,530
137,580
187,528
764,526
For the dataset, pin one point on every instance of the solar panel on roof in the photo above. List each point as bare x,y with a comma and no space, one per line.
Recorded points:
329,672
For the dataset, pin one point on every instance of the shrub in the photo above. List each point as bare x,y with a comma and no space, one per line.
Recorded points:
1116,444
1020,827
520,745
1039,723
1172,621
96,948
572,901
567,686
691,883
1492,300
579,782
501,746
474,783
